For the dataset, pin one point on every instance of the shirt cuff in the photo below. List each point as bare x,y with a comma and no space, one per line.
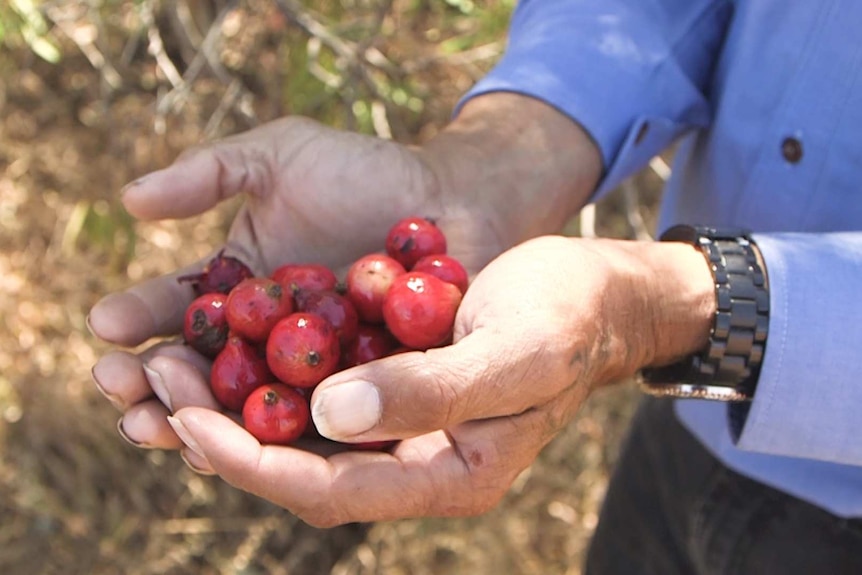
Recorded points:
808,394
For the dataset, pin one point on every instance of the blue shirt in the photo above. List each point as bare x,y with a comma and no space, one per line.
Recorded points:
738,85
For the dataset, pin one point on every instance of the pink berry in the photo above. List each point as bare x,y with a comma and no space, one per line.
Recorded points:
255,306
220,275
205,327
410,239
302,350
295,277
368,280
420,310
238,370
334,308
446,268
275,414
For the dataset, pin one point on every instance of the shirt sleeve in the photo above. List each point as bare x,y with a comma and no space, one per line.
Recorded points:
633,73
809,393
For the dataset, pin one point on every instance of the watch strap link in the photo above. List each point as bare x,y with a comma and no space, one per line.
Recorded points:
727,369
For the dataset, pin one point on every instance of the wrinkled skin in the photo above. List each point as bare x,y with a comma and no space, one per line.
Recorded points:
539,328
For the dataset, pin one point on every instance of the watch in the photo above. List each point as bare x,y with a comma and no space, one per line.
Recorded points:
728,367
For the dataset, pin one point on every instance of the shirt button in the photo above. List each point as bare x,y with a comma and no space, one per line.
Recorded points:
791,149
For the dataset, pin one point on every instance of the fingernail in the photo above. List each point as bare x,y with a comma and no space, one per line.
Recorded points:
115,400
131,185
128,439
90,326
158,384
182,431
347,409
188,456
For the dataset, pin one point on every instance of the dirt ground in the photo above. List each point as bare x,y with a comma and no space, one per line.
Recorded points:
75,498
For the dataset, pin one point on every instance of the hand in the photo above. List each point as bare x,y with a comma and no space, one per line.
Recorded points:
320,195
314,195
540,327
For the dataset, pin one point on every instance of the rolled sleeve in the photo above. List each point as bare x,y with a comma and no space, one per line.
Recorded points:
632,73
810,386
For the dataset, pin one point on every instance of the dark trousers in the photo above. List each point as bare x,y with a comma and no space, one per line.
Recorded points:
673,509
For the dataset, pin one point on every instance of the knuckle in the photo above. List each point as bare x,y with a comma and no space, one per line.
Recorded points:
439,398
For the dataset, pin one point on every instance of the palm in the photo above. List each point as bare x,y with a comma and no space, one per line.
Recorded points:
317,194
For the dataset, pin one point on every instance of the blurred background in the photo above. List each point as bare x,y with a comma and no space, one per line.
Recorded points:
94,93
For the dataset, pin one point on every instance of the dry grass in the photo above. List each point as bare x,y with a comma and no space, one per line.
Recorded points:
74,498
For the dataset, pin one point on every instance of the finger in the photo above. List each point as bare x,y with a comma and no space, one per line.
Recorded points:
149,309
202,177
425,476
146,425
154,307
121,378
179,383
486,374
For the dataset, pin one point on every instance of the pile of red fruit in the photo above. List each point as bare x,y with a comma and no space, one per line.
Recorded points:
273,339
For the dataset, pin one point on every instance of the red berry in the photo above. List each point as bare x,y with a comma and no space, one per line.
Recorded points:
220,275
275,414
334,308
371,342
302,350
255,306
238,370
411,239
420,310
295,277
205,328
368,280
446,268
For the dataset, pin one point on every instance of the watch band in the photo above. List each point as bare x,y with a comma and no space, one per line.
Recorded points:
727,369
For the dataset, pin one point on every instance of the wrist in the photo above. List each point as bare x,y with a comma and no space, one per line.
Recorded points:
661,304
511,156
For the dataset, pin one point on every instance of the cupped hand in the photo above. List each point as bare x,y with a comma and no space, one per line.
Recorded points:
313,194
539,328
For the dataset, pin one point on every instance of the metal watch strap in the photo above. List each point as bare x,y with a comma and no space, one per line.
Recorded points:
728,368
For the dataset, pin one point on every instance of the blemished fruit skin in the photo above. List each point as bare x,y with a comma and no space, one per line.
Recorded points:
334,308
302,350
275,414
238,370
368,280
411,239
205,327
220,275
446,268
254,307
420,310
295,277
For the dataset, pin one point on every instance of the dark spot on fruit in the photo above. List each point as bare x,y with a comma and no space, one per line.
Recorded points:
313,358
270,398
275,291
199,320
407,246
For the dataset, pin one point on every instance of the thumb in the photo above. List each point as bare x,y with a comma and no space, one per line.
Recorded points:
483,375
